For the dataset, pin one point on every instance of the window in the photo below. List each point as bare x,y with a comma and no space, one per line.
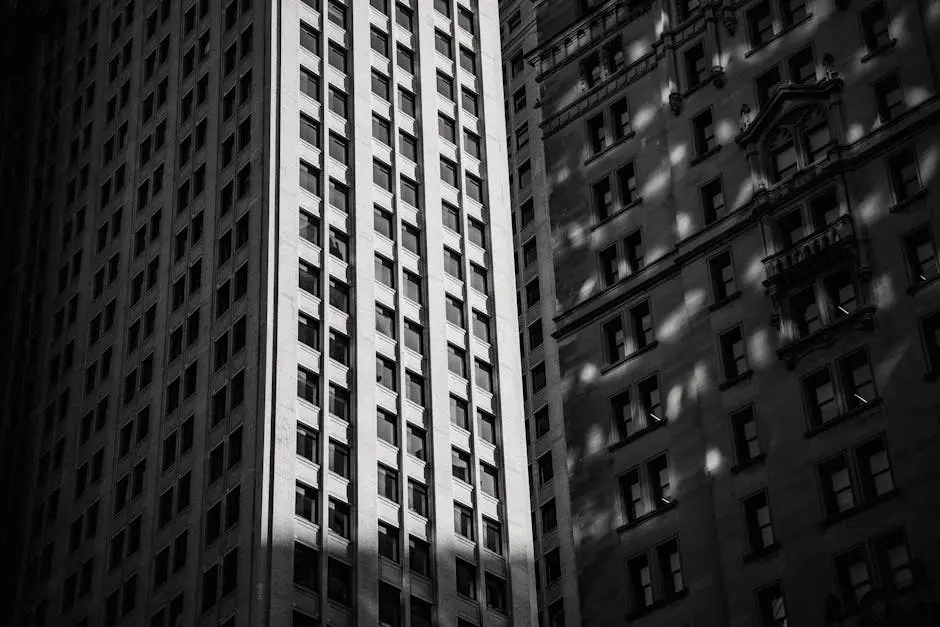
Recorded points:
853,575
492,535
805,312
306,502
387,427
308,444
466,579
379,42
408,146
414,337
771,605
385,373
487,428
802,67
857,380
696,68
603,199
453,263
465,19
307,385
338,102
459,414
338,519
381,86
339,586
615,340
874,468
309,84
419,558
597,133
760,24
495,592
460,465
339,295
443,43
532,294
336,56
546,471
306,567
746,443
893,560
930,328
417,442
414,388
633,252
722,276
902,170
760,530
766,85
385,271
489,480
413,289
657,472
418,498
889,99
388,483
875,26
626,182
406,102
733,353
384,222
445,85
703,133
836,480
388,541
463,521
309,130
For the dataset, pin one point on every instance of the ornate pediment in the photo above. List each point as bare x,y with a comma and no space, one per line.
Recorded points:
787,100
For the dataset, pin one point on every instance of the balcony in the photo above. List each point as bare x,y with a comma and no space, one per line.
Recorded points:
811,253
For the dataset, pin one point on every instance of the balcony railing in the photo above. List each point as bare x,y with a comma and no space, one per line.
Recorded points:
811,250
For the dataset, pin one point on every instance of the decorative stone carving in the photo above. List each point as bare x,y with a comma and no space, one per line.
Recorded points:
746,117
730,22
718,76
675,102
828,62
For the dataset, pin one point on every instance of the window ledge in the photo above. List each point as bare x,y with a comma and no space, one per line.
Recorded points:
883,48
639,520
600,153
620,211
637,435
729,383
761,554
724,301
861,507
920,285
663,602
748,463
705,156
632,355
777,36
907,202
844,417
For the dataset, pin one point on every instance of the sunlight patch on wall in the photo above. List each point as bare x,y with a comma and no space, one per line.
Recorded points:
577,236
587,288
699,381
726,131
754,273
562,174
684,226
674,402
886,367
639,48
933,11
855,132
883,292
596,441
714,461
589,373
761,348
673,323
745,191
873,207
643,118
662,23
928,164
678,153
913,96
655,184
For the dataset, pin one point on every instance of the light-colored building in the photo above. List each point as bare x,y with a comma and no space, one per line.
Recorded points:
263,366
734,217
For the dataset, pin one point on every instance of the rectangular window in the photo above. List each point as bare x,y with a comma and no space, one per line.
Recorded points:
838,491
921,255
603,199
857,380
385,373
874,468
889,98
760,529
418,498
387,427
417,442
388,542
930,328
633,252
615,340
760,24
820,395
460,465
339,518
463,521
905,181
773,609
875,26
696,68
746,443
854,576
388,483
733,353
703,133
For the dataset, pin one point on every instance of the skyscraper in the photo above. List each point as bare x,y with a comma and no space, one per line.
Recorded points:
724,220
262,362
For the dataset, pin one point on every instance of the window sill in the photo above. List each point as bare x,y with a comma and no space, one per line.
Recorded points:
597,155
777,36
617,213
632,355
730,383
724,301
748,463
705,156
762,554
842,418
907,202
882,49
861,507
639,520
921,285
637,435
663,602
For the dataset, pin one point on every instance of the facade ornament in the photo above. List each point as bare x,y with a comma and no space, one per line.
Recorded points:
675,102
746,118
718,76
828,62
730,22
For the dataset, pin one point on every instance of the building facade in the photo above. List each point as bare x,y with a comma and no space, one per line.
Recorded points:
262,364
735,222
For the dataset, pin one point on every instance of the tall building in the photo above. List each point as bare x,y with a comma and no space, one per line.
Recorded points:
724,216
262,363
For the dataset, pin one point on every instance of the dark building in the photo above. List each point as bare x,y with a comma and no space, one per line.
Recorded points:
735,205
